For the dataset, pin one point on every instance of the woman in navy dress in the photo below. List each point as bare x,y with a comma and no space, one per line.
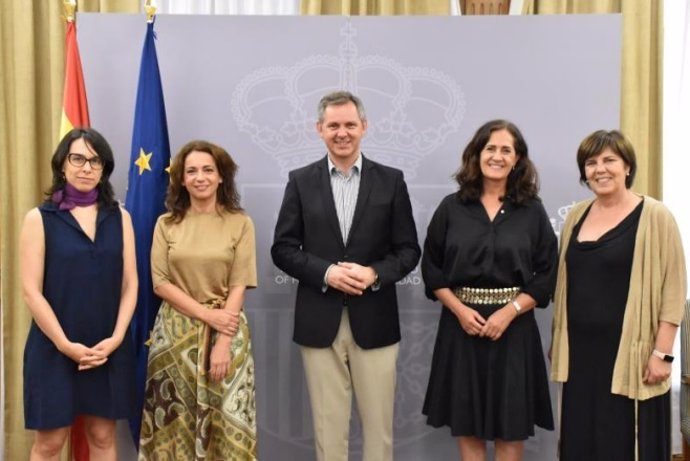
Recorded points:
490,258
79,279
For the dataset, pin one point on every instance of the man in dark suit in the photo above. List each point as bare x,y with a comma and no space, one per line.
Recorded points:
346,232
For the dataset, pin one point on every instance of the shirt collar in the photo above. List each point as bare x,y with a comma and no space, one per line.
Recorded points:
357,166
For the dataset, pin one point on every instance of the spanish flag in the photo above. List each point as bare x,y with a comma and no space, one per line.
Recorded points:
75,110
75,113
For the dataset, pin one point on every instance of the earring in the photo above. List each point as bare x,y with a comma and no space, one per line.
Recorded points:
627,174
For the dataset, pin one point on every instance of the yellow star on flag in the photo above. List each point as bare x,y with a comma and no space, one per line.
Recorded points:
167,170
143,161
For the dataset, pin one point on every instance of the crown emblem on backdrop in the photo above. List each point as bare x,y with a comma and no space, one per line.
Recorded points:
557,224
411,110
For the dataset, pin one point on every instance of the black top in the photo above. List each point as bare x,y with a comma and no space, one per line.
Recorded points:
464,247
603,266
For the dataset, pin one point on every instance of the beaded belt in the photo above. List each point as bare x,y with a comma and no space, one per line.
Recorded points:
486,295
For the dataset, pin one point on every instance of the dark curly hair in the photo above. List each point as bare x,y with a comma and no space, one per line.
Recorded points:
523,181
177,200
97,145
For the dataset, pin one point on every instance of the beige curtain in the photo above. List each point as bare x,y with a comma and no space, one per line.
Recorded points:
641,76
110,6
32,39
376,7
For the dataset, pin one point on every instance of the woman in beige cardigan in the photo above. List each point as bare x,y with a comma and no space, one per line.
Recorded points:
619,299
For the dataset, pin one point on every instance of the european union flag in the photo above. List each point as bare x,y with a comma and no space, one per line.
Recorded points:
148,181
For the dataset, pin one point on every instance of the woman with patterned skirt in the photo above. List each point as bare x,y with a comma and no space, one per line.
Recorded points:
200,393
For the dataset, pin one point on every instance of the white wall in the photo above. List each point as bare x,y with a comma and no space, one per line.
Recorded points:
676,158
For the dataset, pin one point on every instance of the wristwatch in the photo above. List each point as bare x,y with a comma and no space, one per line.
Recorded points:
517,306
665,357
377,283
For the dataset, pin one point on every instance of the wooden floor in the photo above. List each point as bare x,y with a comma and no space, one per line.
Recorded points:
685,456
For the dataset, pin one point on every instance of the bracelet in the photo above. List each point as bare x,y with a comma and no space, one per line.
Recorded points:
517,306
663,356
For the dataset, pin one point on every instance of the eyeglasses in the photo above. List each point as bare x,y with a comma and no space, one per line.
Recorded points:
80,160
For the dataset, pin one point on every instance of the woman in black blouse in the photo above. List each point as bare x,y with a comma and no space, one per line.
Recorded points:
490,257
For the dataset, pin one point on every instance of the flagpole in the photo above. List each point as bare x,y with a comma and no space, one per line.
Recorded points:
150,11
70,6
74,112
145,200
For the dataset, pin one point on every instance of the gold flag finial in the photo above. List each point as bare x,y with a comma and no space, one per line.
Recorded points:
150,11
70,7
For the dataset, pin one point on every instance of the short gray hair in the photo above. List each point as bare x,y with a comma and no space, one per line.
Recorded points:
338,98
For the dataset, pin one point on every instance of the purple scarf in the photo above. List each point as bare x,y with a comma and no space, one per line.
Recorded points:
70,197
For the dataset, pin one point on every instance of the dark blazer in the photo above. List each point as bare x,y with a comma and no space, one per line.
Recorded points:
308,240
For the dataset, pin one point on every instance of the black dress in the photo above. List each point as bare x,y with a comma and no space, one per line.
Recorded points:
479,387
83,283
597,425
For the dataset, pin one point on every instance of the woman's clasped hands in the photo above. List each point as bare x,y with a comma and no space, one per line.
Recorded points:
90,357
223,321
476,325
